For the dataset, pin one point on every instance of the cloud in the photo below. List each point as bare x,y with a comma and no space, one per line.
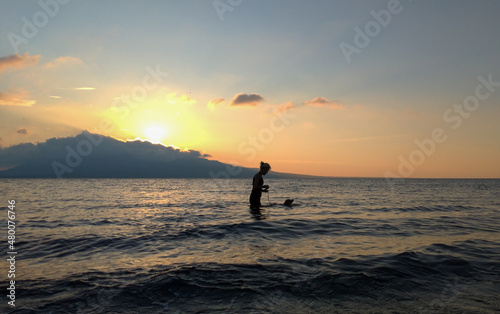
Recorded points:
246,100
18,61
63,61
323,102
186,99
172,98
23,131
105,157
17,98
84,88
16,155
215,102
285,107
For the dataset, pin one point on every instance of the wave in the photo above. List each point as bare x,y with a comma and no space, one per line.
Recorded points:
435,208
270,286
172,230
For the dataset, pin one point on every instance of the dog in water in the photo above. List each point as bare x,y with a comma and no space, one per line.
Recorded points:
288,202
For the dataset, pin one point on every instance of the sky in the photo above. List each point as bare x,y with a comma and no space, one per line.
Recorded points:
336,88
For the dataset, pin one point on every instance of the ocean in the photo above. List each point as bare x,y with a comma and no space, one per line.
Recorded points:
346,245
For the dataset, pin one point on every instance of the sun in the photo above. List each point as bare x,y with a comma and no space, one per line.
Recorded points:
155,133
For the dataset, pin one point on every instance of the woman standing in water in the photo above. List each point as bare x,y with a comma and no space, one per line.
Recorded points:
258,185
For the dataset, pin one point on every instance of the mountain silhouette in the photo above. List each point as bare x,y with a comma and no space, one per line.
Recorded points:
90,155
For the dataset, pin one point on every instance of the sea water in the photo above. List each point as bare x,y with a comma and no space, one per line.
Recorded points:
193,246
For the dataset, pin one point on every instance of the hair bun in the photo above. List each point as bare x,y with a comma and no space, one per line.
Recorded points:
264,165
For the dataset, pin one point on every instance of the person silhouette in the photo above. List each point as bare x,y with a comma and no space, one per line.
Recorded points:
258,185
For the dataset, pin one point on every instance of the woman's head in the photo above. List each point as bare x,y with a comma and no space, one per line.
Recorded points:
264,167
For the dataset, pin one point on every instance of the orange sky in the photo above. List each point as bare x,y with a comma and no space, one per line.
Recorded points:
408,105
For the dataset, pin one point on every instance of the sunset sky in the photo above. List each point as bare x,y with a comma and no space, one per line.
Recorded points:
335,88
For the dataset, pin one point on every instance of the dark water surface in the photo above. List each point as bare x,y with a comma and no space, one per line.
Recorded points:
192,246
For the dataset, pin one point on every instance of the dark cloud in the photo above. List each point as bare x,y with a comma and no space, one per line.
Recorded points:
246,100
323,102
16,155
23,131
92,155
18,61
215,102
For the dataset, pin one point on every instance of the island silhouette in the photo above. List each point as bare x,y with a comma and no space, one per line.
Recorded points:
88,155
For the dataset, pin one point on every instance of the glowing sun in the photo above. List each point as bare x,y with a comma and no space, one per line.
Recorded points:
155,133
